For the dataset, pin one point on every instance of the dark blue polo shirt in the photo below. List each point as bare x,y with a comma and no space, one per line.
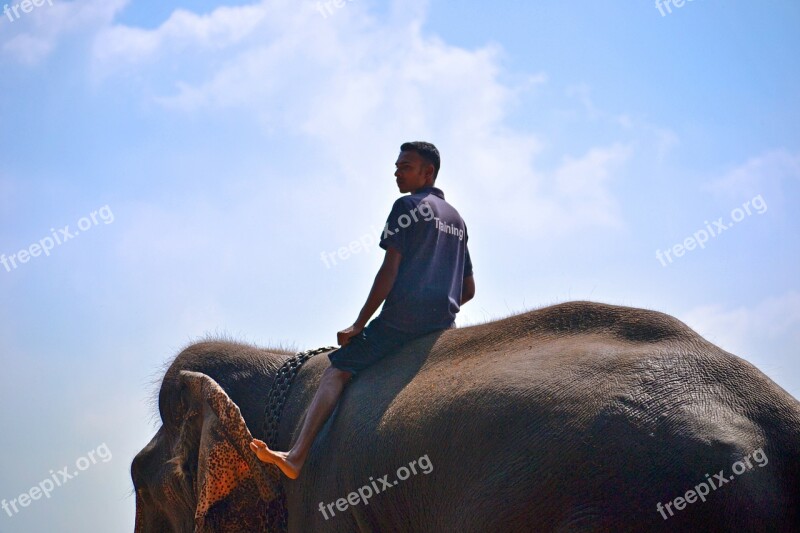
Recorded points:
432,238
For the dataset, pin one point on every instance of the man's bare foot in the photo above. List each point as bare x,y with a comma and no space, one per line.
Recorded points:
279,459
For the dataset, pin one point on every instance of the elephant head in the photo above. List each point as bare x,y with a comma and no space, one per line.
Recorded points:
198,474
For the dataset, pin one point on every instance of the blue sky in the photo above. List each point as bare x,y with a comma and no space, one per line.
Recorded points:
230,145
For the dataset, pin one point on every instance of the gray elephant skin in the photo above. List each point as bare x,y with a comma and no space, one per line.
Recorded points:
575,417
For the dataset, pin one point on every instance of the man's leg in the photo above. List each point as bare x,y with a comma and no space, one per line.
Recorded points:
330,388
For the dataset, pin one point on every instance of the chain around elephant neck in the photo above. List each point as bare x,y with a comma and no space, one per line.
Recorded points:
277,513
279,392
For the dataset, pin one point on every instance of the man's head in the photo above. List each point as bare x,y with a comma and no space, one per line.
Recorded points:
417,166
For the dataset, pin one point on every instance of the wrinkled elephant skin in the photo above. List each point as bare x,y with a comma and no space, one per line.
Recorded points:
575,417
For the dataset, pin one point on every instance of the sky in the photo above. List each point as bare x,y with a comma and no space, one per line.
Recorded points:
175,170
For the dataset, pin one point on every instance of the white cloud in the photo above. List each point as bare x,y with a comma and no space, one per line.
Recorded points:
183,30
583,93
666,140
34,36
582,183
767,171
541,204
737,328
334,81
762,334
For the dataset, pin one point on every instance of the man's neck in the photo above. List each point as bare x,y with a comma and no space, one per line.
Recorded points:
426,186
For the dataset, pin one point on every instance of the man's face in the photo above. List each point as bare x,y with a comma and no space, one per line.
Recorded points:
412,172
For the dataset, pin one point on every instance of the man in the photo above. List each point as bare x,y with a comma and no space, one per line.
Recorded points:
425,277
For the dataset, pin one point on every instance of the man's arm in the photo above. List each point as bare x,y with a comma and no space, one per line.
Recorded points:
467,289
384,281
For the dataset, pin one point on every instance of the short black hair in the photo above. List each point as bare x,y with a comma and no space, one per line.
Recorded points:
426,151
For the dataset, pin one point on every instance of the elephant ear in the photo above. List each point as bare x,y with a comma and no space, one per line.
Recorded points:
234,490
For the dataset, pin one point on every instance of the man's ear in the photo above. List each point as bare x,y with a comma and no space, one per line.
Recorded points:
430,174
234,490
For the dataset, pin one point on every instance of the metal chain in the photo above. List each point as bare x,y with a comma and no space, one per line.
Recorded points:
279,392
278,517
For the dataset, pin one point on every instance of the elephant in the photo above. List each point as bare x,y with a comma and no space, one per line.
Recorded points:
580,416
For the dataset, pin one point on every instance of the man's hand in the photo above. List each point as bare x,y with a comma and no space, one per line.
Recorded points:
343,337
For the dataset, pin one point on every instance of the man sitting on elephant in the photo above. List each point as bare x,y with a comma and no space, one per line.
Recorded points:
425,277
